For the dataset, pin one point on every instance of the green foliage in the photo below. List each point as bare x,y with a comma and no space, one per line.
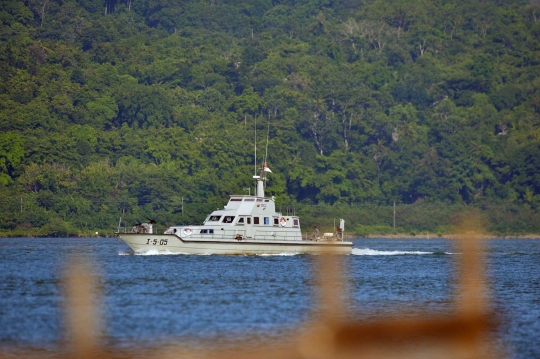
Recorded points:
364,231
11,154
125,108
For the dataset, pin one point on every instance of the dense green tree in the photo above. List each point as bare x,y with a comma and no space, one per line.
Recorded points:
124,108
11,154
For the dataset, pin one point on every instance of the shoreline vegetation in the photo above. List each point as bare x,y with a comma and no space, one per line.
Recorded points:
385,222
420,220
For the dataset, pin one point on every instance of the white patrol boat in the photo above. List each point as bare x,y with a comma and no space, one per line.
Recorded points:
246,225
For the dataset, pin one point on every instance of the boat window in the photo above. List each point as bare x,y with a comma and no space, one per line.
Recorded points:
207,231
228,219
295,222
240,220
249,220
266,220
214,218
267,200
236,199
249,200
276,221
259,200
255,220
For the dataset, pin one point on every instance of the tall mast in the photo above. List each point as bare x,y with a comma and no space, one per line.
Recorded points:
263,172
255,171
259,190
267,135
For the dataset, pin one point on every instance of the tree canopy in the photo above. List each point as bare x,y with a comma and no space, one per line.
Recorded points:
130,108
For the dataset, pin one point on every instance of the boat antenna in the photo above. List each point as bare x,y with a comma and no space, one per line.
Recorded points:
266,154
259,192
267,135
255,172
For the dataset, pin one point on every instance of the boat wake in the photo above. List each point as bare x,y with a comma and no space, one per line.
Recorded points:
374,252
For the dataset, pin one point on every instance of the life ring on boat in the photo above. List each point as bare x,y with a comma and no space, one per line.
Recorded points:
283,221
187,231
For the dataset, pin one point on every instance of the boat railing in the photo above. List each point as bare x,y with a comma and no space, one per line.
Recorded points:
287,210
327,237
240,234
277,236
219,234
258,235
155,230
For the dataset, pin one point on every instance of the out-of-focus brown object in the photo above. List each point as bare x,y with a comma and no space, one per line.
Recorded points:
331,333
83,327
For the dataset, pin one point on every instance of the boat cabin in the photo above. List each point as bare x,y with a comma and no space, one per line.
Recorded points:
250,210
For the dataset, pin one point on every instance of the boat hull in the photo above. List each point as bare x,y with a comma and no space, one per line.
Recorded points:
171,243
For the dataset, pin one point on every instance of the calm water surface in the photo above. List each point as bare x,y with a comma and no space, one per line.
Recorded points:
152,299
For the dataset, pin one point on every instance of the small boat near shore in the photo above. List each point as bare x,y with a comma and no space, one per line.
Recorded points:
248,224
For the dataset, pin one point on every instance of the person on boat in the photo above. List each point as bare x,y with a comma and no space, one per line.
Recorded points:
339,233
315,234
146,228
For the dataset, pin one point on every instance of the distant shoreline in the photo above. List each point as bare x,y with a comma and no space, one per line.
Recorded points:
369,236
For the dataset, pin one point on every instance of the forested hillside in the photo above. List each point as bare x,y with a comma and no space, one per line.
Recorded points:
132,107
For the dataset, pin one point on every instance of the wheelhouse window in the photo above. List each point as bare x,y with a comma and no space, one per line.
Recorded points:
214,218
266,220
249,200
255,220
276,221
295,222
236,199
228,219
249,220
240,220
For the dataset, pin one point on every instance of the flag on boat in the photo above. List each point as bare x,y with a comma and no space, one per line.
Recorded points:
266,169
